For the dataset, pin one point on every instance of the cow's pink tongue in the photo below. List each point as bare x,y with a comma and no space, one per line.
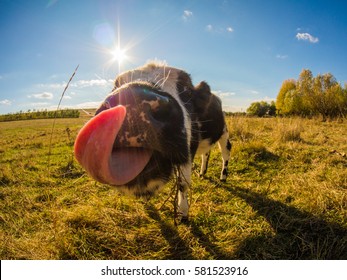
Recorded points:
94,149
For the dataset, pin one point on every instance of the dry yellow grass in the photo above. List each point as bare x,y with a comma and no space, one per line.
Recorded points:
285,198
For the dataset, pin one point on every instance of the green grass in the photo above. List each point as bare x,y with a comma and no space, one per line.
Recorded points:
285,198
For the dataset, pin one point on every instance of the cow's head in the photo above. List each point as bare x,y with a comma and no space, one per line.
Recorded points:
141,132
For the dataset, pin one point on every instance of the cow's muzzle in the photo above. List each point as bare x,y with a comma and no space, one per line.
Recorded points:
130,126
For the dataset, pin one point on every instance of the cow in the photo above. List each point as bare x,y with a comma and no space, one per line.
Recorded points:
150,128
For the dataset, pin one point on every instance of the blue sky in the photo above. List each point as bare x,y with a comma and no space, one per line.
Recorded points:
244,49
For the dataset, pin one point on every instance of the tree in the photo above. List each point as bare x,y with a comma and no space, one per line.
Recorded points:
294,103
272,109
262,108
310,96
305,93
336,101
287,87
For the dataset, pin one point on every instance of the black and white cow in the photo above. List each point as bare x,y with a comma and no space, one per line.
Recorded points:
149,128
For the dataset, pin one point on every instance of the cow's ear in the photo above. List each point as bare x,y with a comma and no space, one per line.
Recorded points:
118,82
203,89
201,96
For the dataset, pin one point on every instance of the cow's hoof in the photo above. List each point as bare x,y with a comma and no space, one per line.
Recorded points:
184,220
180,219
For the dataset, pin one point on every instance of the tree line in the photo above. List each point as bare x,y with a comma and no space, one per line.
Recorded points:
307,96
41,114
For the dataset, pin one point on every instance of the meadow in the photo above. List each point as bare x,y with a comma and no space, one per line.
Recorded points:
285,198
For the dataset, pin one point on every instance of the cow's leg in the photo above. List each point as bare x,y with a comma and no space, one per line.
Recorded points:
184,179
225,147
204,163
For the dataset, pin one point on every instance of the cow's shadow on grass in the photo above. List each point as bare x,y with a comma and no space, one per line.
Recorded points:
298,234
179,248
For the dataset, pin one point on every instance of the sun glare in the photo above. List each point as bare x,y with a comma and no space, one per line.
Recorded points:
110,41
118,55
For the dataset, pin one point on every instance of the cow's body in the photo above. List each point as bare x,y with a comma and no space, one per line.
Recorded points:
167,121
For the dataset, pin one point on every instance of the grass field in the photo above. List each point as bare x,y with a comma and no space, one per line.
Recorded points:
285,198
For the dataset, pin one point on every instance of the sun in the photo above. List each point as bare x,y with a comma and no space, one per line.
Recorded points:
118,55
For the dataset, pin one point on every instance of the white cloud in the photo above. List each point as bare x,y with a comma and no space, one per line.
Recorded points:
42,95
49,106
78,84
255,92
39,105
52,86
307,37
281,56
187,15
5,102
91,83
209,28
218,29
83,105
53,77
230,29
88,105
224,94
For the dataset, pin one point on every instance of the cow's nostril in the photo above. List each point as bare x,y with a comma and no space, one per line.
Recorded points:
162,112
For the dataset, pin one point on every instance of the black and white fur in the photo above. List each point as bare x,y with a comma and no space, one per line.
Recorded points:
199,121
